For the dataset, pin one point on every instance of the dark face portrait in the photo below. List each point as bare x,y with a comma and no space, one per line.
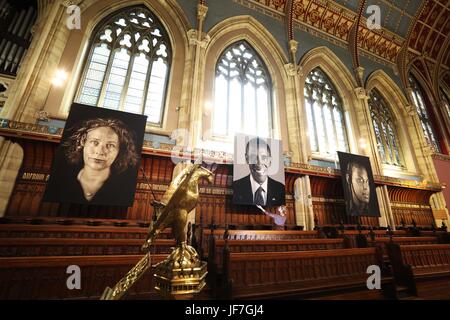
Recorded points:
258,158
258,172
358,181
98,158
358,184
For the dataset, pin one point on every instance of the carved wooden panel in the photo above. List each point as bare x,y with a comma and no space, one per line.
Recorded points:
26,199
45,277
215,203
411,204
422,216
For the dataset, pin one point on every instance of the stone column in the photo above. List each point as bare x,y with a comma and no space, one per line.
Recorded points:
439,209
32,85
295,113
367,144
425,161
11,156
192,109
387,217
423,150
304,215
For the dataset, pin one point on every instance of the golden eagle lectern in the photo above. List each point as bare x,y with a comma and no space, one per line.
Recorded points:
182,273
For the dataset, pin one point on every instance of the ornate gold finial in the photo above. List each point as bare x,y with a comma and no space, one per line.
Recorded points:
182,274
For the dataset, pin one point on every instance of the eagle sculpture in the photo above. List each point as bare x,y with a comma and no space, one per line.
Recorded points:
180,198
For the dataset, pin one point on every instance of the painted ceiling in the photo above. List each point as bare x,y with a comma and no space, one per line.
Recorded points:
421,25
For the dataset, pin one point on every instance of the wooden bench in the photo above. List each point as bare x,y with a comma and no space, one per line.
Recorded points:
382,242
45,277
404,240
26,247
261,234
423,269
324,274
62,231
355,235
208,237
271,246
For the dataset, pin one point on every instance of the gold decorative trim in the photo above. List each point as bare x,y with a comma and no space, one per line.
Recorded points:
327,200
400,205
440,156
390,39
32,176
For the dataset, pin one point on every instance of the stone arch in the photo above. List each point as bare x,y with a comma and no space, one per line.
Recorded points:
344,83
11,157
433,101
397,103
262,41
77,48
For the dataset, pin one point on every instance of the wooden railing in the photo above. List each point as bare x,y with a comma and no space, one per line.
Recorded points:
46,277
424,269
319,273
27,247
236,246
61,231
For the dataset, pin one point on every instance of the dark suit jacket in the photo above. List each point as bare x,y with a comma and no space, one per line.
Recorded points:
242,192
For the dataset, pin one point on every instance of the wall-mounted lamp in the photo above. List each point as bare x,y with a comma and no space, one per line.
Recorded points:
59,78
363,143
208,106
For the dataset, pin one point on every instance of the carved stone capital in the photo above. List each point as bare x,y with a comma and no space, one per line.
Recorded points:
42,115
360,73
193,38
361,93
68,3
411,110
395,70
428,149
5,84
293,45
201,11
293,70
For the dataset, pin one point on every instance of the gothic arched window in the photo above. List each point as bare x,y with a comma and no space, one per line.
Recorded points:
128,65
385,132
422,112
242,97
326,123
446,101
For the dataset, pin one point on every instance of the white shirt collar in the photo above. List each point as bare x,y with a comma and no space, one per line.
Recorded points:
256,185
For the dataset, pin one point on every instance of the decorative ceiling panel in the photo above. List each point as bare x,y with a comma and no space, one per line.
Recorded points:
335,18
426,31
432,29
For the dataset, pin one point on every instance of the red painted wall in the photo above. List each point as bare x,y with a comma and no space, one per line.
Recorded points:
443,171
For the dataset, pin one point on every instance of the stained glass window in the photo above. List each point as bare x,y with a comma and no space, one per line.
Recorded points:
326,123
419,103
446,101
128,65
385,131
242,97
